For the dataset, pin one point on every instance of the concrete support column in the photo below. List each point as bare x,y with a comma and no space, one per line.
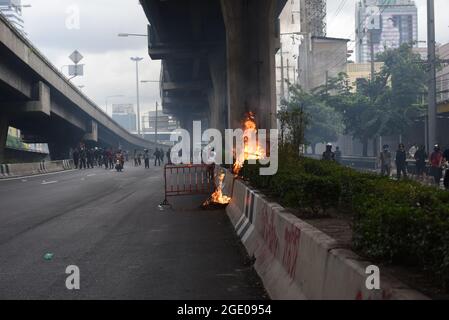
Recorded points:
59,150
251,70
218,94
4,125
92,134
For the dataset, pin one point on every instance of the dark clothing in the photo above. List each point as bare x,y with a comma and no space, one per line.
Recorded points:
420,157
146,156
338,156
169,157
446,154
328,155
401,163
76,158
385,163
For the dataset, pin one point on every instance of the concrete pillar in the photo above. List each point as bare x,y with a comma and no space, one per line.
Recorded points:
251,70
218,113
4,125
59,150
92,134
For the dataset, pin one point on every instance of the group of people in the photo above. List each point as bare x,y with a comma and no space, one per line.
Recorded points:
330,155
88,158
159,156
437,160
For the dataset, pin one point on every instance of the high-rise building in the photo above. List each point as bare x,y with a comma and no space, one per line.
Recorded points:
125,116
389,23
313,17
12,10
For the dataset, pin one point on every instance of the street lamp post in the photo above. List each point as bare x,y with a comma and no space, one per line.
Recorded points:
137,60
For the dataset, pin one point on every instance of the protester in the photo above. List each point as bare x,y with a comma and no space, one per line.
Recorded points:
162,155
385,161
436,161
136,162
338,155
446,175
420,157
169,156
329,155
146,157
157,159
76,158
401,162
83,158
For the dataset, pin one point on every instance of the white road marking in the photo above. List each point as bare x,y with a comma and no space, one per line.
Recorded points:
48,182
92,175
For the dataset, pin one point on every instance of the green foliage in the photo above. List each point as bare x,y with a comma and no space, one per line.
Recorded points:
315,121
400,222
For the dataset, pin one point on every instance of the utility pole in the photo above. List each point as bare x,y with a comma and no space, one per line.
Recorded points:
137,60
373,70
156,124
327,82
432,111
282,74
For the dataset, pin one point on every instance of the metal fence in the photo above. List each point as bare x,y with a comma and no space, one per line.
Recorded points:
184,180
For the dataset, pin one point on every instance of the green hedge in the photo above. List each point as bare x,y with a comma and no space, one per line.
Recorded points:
402,222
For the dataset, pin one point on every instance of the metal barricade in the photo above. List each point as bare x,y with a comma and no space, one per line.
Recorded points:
185,180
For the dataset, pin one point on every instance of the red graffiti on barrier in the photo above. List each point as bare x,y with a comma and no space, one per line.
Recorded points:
269,231
291,249
386,295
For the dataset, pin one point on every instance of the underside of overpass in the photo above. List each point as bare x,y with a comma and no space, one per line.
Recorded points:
218,59
37,99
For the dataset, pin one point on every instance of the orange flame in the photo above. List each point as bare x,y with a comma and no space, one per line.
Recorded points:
218,197
250,151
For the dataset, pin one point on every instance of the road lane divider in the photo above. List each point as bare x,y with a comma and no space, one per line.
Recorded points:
35,168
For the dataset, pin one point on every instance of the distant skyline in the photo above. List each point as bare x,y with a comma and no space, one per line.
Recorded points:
108,68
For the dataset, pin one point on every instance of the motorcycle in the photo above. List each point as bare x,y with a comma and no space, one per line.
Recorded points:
118,165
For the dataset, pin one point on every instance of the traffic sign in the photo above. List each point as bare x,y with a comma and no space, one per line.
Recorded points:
76,57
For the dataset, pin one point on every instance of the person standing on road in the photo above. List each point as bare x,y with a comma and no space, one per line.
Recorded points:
169,156
420,157
157,159
328,155
446,175
436,161
83,156
338,155
111,159
162,155
135,158
76,157
385,161
146,157
401,162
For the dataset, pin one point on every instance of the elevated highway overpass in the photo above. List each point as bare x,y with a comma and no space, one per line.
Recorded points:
218,58
40,101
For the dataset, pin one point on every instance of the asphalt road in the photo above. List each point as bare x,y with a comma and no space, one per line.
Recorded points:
109,225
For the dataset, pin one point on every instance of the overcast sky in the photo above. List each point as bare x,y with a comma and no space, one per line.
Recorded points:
108,69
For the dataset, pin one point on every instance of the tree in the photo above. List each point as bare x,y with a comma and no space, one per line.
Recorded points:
386,105
323,122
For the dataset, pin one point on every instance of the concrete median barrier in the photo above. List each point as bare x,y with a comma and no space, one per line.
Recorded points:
297,261
29,169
